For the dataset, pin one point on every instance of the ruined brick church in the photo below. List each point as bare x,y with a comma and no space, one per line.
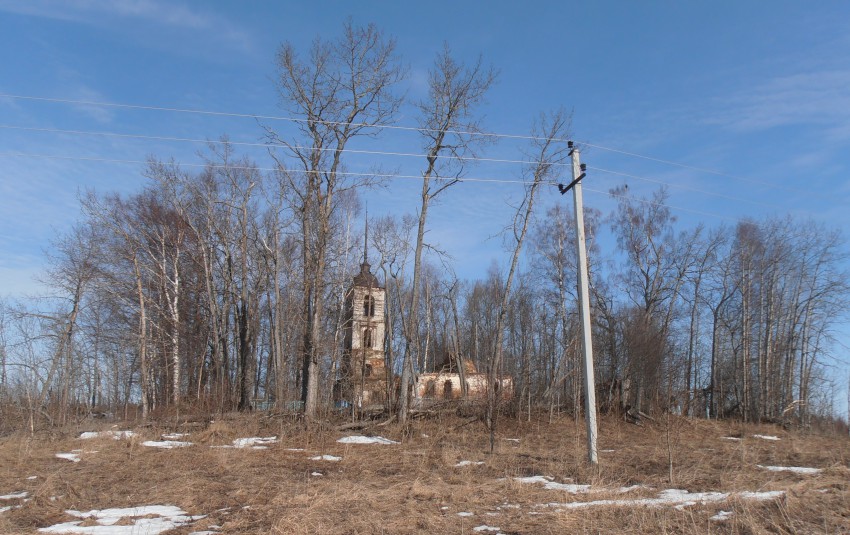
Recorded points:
367,381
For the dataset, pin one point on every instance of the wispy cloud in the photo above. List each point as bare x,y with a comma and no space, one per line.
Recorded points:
808,98
81,92
104,12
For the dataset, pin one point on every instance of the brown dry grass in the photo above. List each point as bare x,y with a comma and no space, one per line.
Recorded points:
415,487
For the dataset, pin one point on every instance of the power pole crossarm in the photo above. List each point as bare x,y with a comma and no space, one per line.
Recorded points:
584,304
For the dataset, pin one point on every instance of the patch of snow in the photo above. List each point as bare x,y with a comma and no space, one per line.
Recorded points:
795,469
469,463
317,474
32,477
294,449
722,516
766,437
332,458
174,436
736,439
4,509
116,435
359,439
464,513
672,497
551,485
511,439
165,444
607,451
15,495
73,457
485,527
257,443
148,520
205,532
623,490
761,496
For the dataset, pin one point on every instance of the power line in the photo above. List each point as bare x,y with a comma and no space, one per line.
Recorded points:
686,166
375,175
266,144
365,152
389,127
273,169
688,188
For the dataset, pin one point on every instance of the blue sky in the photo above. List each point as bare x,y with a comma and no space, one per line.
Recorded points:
758,92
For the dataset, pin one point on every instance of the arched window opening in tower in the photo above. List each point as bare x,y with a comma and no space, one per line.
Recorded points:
367,337
368,306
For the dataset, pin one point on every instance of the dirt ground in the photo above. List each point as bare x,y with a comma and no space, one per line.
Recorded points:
417,485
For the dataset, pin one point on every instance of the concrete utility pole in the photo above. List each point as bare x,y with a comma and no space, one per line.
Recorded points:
584,303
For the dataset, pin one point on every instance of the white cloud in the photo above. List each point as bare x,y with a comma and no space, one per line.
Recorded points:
103,12
811,98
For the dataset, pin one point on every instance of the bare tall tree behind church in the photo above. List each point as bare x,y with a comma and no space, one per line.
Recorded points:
339,90
449,126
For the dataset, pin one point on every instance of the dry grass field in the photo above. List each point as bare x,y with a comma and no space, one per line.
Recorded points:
422,484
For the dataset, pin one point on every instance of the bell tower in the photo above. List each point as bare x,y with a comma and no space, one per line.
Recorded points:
364,379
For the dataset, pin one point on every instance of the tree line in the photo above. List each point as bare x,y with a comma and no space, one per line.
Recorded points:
225,288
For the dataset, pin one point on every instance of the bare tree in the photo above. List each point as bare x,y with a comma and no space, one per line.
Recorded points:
550,153
449,126
341,90
644,232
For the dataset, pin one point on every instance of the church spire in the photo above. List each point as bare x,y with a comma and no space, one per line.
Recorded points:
366,239
365,278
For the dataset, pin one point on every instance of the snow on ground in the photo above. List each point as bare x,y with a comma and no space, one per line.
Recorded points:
13,496
766,437
795,469
147,520
331,458
359,439
116,435
548,484
73,457
464,513
672,497
32,477
255,443
485,528
174,436
735,439
469,463
760,496
570,488
166,444
722,516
